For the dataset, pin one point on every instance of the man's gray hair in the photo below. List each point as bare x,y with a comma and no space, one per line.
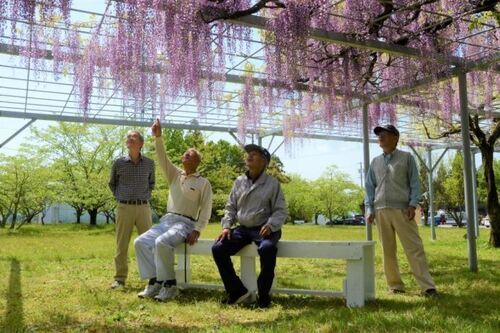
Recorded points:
139,134
197,152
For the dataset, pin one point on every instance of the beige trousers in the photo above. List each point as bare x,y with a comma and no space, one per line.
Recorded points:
128,216
390,222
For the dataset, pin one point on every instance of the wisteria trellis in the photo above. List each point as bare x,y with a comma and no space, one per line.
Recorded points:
155,50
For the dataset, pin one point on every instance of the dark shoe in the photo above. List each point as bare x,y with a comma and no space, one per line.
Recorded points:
264,302
431,293
236,299
397,291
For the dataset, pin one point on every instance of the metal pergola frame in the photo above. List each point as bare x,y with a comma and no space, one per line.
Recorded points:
31,102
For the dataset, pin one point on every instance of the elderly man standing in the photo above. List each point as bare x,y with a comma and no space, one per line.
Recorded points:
258,204
392,194
132,180
188,212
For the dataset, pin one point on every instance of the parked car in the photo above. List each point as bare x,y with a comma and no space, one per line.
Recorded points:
360,218
486,221
335,222
448,219
354,219
438,219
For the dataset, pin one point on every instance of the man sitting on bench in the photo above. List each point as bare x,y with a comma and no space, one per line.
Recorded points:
189,208
258,204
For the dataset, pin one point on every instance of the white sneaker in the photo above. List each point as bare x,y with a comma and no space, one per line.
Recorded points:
150,291
167,293
117,285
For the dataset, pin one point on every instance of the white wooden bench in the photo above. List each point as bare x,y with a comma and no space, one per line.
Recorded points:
358,287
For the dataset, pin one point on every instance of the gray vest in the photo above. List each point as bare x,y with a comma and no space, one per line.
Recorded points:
393,181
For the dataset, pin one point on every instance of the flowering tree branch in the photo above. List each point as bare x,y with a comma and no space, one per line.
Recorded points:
210,14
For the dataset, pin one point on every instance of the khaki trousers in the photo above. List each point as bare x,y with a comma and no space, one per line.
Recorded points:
128,216
390,222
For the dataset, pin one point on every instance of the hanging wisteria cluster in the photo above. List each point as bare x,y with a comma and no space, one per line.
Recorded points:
154,51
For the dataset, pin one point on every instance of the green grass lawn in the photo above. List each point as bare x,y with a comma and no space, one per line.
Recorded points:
56,279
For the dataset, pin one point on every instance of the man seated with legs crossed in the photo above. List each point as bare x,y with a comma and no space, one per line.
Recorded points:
188,211
258,204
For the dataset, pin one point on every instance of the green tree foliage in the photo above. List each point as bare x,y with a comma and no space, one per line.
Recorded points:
454,187
301,201
82,156
40,195
276,169
26,188
449,188
222,163
337,194
440,194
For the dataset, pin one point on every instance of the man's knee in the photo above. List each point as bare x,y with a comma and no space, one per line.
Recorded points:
267,249
140,243
218,250
164,242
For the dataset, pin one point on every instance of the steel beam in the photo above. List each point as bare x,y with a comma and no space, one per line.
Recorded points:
474,192
430,180
17,132
146,122
366,161
469,199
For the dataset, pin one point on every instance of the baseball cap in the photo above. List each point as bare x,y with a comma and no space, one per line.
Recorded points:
388,128
263,151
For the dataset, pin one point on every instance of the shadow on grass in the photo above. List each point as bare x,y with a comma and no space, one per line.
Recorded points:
14,317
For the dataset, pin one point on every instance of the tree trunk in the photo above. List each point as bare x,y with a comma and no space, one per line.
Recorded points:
30,218
21,224
14,220
107,219
426,215
4,219
78,212
492,204
93,216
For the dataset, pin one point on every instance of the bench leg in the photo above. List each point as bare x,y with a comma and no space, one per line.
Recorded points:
369,272
249,275
183,272
355,286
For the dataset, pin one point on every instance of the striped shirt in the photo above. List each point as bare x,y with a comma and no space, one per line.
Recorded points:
129,181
